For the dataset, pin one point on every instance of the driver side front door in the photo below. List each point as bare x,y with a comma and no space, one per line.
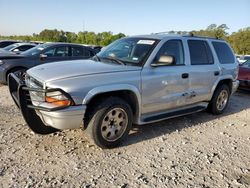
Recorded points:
164,87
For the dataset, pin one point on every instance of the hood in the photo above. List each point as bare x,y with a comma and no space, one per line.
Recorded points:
10,55
67,69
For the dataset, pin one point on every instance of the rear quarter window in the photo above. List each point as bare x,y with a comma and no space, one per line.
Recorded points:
224,53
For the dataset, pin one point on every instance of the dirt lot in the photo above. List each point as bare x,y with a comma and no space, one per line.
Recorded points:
199,150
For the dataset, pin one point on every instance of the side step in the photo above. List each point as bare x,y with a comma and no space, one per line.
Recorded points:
169,115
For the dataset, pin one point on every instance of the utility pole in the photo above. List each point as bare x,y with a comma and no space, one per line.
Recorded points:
83,30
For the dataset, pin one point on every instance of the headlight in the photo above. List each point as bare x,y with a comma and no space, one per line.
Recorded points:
57,98
1,62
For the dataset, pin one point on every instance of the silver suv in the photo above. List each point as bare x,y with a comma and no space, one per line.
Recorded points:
134,80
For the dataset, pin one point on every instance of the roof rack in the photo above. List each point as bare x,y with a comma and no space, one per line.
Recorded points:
163,32
203,37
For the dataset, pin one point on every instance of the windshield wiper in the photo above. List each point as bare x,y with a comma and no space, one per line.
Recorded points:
114,60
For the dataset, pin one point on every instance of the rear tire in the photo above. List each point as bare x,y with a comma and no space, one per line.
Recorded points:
110,122
220,99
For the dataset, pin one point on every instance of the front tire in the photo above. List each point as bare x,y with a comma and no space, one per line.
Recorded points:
110,122
219,100
19,72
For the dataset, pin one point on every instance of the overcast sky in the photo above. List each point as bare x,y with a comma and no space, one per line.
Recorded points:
126,16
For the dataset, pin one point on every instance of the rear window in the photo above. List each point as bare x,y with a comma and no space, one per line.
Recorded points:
223,52
80,51
200,52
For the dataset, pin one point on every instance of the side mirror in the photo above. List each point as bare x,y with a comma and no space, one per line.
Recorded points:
164,60
43,56
16,50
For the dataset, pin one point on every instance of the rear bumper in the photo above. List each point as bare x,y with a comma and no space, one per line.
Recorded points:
235,86
70,117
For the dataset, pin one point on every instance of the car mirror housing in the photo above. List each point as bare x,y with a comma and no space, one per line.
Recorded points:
16,50
43,56
164,60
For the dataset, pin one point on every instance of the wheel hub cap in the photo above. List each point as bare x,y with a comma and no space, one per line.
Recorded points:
114,124
222,100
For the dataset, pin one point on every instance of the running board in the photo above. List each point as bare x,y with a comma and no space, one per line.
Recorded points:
169,115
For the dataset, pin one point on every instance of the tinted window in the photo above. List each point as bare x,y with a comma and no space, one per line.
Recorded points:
246,58
6,43
24,47
86,53
61,51
200,52
8,48
223,52
173,48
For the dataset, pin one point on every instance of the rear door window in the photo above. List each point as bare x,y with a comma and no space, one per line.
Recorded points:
223,52
200,52
24,47
61,51
80,51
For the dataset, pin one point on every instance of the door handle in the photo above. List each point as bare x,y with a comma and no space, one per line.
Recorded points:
216,73
185,75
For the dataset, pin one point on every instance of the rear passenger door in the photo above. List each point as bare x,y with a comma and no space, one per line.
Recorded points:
203,71
80,52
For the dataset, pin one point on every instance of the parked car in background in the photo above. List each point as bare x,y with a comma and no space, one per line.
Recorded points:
95,47
244,75
4,43
44,53
17,47
134,80
242,58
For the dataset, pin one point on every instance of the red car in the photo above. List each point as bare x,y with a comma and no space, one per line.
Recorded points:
244,75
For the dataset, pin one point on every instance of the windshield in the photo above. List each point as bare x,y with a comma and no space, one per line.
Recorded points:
10,47
128,50
35,50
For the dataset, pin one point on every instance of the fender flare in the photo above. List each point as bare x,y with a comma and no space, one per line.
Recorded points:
112,88
225,77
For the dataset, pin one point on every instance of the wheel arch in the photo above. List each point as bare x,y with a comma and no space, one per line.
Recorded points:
12,69
225,80
127,92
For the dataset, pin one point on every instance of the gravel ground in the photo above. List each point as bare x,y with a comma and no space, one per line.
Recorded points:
199,150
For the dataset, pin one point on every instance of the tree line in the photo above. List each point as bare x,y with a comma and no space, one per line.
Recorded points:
48,35
240,40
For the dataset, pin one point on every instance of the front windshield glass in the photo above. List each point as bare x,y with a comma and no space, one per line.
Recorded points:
7,48
128,50
35,50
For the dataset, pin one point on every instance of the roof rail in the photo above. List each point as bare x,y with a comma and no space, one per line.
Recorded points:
203,37
163,32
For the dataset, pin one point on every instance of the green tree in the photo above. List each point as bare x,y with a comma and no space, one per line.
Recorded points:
240,41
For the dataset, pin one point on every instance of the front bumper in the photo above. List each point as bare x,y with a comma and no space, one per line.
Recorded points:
235,86
70,117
